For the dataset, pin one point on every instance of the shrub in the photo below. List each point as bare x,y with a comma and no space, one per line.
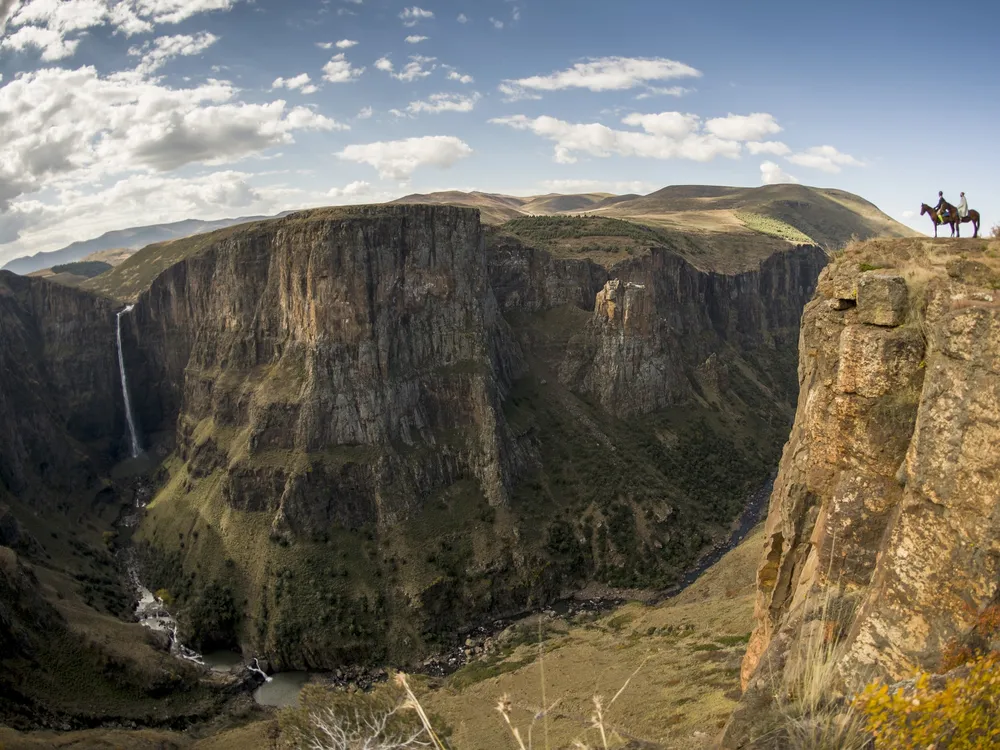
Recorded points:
390,718
964,715
995,232
164,596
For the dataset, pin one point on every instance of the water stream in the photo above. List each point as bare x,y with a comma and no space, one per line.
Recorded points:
129,416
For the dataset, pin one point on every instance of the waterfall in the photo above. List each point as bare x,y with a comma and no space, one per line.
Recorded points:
133,436
254,666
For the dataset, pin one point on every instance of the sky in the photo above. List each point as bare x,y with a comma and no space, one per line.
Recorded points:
119,113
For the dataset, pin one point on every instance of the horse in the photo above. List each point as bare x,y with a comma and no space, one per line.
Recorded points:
952,219
972,216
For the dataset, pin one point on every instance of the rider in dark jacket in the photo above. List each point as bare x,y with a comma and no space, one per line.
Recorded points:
942,205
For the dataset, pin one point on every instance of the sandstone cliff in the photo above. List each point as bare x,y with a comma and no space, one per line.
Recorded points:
882,536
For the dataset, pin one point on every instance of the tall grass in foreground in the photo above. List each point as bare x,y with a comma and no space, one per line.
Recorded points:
396,720
811,715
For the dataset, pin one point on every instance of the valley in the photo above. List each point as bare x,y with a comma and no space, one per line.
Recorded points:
365,432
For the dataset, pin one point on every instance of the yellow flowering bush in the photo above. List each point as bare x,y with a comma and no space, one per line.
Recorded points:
964,715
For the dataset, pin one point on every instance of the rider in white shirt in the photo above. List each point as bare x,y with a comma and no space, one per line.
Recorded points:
963,206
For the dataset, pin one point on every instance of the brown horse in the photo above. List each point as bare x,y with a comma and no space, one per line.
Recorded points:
938,220
953,219
972,216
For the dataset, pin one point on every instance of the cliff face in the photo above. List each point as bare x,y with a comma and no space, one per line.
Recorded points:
663,331
881,539
351,362
377,442
59,387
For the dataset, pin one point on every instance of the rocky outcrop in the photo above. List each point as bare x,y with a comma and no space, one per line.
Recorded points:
882,543
59,388
660,319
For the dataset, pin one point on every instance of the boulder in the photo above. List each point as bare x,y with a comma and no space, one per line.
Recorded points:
882,299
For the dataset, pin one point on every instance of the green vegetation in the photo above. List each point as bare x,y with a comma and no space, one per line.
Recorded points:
546,230
88,268
773,227
603,240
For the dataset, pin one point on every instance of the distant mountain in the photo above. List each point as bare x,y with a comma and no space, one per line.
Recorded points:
132,238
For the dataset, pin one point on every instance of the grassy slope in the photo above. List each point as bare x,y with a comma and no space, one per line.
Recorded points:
95,664
688,681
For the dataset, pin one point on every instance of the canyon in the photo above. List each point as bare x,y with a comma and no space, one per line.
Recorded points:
368,430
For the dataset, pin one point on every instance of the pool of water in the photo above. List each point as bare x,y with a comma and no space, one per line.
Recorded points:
282,691
222,661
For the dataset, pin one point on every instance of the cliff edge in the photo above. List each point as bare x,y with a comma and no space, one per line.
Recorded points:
882,543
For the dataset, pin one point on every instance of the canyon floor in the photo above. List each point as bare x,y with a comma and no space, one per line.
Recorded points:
679,662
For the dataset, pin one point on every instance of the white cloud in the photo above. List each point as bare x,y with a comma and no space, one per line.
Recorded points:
824,158
412,71
496,23
300,82
669,135
56,27
753,127
652,91
365,113
339,70
454,75
175,11
62,128
155,54
516,13
416,39
602,74
324,45
437,103
50,43
772,174
462,18
397,160
351,190
412,16
346,44
768,147
908,214
675,125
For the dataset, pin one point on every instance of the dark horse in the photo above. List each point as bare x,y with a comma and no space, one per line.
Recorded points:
952,220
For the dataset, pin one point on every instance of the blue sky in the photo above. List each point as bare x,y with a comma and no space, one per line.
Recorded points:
117,113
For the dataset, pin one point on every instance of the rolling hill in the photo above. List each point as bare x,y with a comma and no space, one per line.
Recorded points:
132,238
717,228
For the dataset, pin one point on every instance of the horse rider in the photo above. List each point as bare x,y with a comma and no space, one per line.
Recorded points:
963,207
942,205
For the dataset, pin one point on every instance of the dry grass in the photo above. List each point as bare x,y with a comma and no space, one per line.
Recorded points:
689,650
